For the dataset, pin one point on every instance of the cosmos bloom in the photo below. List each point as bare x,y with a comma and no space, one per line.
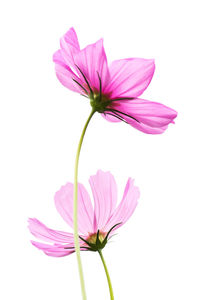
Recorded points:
96,225
113,90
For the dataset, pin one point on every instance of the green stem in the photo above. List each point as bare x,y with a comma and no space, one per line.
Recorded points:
107,275
76,236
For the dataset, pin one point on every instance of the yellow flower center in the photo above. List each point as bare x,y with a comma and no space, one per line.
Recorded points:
93,237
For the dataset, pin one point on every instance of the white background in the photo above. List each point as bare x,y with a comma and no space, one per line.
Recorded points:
156,254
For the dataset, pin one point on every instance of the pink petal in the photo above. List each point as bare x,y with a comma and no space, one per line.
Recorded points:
126,207
104,191
39,230
58,58
129,77
152,117
92,61
69,46
65,75
147,129
64,61
110,118
54,250
64,205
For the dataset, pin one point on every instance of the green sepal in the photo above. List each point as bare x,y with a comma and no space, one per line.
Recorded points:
98,244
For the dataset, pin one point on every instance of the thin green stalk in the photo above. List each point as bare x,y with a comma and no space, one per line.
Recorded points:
76,236
107,275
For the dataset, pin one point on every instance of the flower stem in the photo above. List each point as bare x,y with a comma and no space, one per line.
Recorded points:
107,275
76,236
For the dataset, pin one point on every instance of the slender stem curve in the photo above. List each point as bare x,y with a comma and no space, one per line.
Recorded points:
107,275
76,236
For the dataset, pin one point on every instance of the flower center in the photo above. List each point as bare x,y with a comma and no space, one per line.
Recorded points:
93,237
97,241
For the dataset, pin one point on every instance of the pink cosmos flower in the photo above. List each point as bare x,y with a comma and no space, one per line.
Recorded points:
113,90
96,225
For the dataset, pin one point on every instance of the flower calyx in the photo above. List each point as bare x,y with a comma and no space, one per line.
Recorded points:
97,241
99,102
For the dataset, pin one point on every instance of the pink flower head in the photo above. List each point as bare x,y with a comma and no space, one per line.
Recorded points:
96,225
113,90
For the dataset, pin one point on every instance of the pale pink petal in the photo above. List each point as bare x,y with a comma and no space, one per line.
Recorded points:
129,77
69,46
64,205
126,207
55,250
151,117
39,230
92,61
104,191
